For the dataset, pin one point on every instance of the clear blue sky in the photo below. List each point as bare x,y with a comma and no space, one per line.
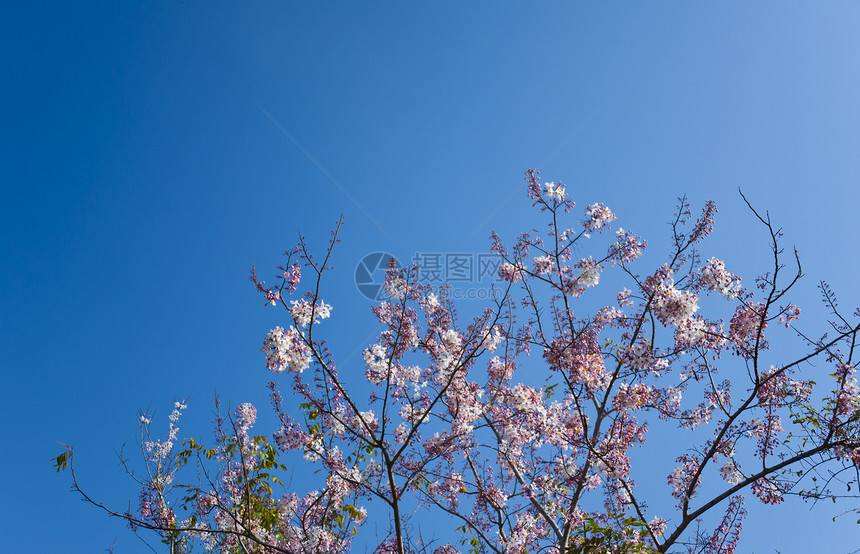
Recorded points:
141,178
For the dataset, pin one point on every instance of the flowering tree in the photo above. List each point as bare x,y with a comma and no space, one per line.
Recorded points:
519,426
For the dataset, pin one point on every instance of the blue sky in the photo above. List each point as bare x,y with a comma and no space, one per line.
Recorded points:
148,163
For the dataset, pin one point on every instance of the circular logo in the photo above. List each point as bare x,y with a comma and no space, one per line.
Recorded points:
370,275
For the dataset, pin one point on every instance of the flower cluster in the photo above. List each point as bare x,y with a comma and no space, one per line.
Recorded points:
554,191
731,472
494,338
377,364
543,265
246,415
286,350
673,306
510,272
725,538
599,217
767,491
160,450
303,311
714,277
627,247
589,274
629,397
745,324
498,370
848,397
292,276
788,314
682,475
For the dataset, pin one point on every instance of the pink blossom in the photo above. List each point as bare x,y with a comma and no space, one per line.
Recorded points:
554,191
543,265
714,277
510,272
285,350
599,217
673,306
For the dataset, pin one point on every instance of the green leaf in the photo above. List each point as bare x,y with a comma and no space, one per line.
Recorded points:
62,461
